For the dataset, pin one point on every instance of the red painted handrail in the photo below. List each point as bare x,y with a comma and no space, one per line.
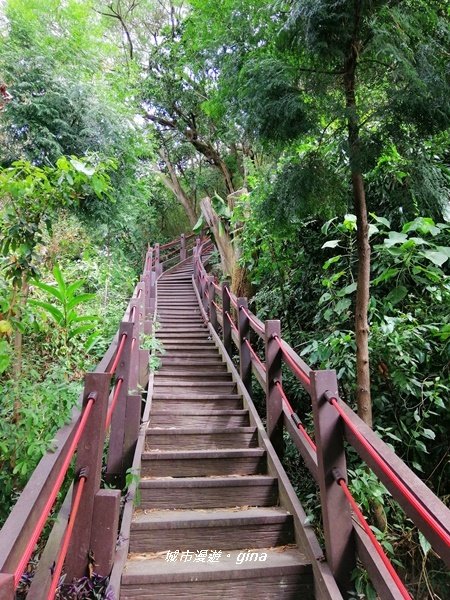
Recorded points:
53,493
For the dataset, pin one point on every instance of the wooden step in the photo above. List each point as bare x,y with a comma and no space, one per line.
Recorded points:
185,344
203,463
170,401
187,361
190,336
200,439
199,418
155,531
168,377
169,367
208,492
185,389
271,574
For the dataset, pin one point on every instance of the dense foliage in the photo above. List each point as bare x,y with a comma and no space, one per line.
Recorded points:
331,118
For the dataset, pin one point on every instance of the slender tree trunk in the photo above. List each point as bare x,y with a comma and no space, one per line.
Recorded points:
363,397
17,344
173,183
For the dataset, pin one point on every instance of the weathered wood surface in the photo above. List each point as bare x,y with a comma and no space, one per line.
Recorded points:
204,474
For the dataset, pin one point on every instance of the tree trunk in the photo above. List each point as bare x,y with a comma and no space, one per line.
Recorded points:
17,344
228,247
363,397
173,184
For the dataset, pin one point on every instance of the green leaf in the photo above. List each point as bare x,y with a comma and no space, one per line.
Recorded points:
52,310
397,294
331,244
437,258
424,544
91,341
385,275
331,261
73,287
78,330
50,289
82,167
86,318
428,433
381,220
79,300
199,225
348,289
395,238
59,278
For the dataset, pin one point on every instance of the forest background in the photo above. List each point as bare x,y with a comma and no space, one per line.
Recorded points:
311,137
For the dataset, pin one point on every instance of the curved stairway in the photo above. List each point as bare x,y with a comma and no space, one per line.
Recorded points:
209,524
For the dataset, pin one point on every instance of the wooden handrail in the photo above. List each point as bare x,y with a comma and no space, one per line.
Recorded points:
130,366
330,430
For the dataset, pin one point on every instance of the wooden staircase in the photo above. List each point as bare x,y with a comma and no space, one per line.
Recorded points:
209,524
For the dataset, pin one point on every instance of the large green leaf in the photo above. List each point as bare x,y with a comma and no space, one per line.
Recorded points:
199,225
78,330
73,287
52,310
50,289
397,294
437,258
59,278
79,300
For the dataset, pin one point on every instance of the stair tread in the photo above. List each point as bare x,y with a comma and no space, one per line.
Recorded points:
154,519
207,453
197,430
148,568
202,482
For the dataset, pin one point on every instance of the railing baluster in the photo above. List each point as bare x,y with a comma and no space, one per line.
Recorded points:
212,312
183,247
226,328
245,361
89,457
337,521
274,401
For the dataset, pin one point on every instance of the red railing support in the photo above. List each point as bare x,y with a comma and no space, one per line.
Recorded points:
89,456
105,525
183,254
226,327
245,361
274,401
212,312
337,521
6,586
114,468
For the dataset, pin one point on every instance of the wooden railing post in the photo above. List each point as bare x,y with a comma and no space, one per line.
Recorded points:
6,586
245,361
212,312
158,265
274,401
337,521
133,399
89,461
183,254
226,329
105,526
114,468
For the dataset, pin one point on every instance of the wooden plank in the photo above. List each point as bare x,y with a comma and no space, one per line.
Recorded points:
336,516
380,577
416,487
105,526
88,458
40,584
324,582
307,453
203,463
204,492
